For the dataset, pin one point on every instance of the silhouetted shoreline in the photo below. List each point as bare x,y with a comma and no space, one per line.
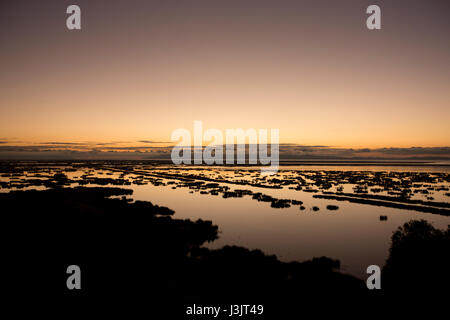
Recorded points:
134,249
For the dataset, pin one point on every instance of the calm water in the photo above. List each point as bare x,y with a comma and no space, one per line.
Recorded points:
353,234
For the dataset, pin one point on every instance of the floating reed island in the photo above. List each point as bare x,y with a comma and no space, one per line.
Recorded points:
416,191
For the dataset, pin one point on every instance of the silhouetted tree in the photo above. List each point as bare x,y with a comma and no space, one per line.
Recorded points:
418,258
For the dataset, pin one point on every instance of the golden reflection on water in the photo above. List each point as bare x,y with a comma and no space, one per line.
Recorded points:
353,234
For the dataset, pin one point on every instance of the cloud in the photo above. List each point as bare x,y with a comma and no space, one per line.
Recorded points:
150,141
63,143
110,150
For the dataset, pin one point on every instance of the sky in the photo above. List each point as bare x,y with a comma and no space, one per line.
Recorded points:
138,70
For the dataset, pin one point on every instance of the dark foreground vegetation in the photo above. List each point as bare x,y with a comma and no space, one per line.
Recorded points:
135,254
419,257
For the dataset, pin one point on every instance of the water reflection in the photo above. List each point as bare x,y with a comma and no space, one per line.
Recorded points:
278,214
